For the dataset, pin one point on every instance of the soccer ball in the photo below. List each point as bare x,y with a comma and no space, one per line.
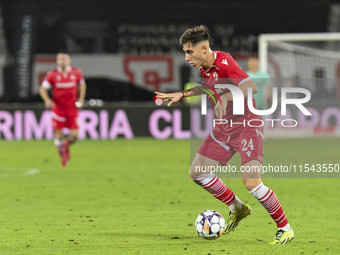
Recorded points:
210,224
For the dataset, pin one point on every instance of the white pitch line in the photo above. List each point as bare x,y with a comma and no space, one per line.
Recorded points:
13,171
30,172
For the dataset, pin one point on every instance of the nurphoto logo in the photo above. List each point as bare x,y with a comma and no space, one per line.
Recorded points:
238,104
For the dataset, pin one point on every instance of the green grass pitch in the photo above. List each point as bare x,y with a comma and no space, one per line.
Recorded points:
135,197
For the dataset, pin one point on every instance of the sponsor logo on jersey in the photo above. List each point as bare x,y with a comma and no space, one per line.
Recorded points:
248,153
63,85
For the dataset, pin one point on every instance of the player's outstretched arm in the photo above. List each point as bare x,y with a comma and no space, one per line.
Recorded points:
172,97
176,96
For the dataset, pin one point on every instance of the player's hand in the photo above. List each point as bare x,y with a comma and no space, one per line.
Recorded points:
172,97
48,104
80,103
220,110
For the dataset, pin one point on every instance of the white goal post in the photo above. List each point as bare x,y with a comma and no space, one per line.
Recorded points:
310,61
264,39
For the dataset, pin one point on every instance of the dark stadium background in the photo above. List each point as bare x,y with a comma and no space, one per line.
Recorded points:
120,44
135,27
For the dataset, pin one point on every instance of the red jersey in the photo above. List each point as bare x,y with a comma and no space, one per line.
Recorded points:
225,70
64,86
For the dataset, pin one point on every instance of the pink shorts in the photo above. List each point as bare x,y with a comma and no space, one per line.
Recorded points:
65,119
221,145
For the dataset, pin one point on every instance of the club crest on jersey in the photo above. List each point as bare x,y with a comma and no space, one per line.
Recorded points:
58,77
72,77
215,75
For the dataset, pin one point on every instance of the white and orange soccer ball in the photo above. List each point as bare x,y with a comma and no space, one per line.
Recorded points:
210,224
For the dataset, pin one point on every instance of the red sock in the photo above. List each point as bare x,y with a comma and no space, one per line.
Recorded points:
61,148
214,185
69,140
269,201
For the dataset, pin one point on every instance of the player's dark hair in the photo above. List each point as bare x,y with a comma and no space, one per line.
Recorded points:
63,52
195,35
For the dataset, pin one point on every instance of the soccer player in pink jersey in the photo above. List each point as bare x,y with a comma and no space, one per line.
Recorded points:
225,140
68,93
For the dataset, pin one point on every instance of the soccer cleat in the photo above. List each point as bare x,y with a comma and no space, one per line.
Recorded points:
64,159
235,218
63,155
283,236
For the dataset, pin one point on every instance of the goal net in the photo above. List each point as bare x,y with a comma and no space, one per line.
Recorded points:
310,61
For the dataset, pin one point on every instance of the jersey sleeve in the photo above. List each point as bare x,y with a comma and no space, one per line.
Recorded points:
48,81
231,70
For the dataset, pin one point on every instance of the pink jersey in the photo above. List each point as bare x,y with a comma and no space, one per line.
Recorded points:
225,70
64,86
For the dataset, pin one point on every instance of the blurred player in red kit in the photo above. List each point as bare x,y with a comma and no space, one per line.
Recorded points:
68,93
225,140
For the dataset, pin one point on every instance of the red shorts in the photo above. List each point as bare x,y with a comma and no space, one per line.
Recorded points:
221,145
65,119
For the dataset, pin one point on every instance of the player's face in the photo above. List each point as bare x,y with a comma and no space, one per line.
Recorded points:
194,54
63,60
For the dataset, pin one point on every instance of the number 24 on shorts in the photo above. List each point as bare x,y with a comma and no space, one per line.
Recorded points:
247,145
